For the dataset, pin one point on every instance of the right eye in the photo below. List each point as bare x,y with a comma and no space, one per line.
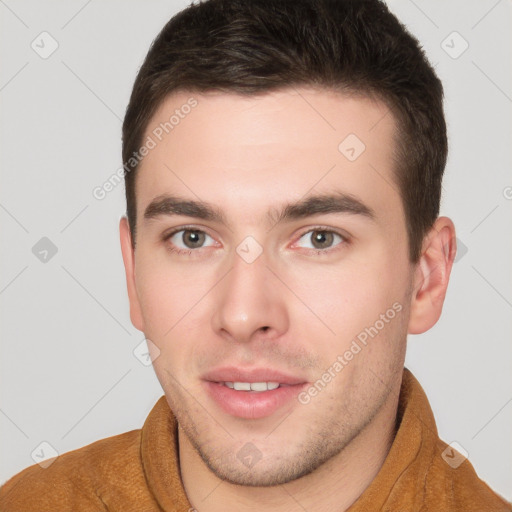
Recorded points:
186,240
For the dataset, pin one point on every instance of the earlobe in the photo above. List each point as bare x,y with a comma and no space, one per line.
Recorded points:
129,267
432,276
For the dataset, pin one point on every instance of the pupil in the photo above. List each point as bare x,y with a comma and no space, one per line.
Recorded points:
194,238
321,237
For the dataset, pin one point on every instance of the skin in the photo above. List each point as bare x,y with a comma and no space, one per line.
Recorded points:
247,155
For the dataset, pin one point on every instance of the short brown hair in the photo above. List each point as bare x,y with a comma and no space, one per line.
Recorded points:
253,46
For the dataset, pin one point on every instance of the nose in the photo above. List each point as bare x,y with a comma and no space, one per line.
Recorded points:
250,302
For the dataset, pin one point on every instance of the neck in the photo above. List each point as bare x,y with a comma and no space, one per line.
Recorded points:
335,485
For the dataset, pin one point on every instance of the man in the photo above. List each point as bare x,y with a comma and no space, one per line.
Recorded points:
283,170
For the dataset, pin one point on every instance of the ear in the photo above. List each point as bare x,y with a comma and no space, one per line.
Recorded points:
129,267
431,276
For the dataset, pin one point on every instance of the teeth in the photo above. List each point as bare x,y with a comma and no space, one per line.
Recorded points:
252,386
242,386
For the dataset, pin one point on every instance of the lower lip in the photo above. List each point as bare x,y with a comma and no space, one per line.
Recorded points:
252,404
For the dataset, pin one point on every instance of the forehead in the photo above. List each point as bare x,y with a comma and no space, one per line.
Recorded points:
249,152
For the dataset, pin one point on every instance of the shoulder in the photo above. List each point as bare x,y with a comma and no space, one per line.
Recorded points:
78,479
452,480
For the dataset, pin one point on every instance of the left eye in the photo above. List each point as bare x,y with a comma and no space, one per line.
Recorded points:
322,238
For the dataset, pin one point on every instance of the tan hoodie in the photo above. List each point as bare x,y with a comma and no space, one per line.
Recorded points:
138,471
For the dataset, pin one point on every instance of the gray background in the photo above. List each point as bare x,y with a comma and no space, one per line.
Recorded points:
68,372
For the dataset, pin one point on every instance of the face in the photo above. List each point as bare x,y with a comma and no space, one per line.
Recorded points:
315,296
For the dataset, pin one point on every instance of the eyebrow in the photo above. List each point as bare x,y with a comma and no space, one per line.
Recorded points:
337,202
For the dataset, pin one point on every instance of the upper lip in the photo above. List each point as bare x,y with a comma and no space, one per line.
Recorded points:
237,374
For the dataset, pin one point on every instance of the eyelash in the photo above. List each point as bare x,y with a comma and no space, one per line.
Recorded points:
318,252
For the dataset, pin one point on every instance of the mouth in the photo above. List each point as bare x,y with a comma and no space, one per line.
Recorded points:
252,394
256,387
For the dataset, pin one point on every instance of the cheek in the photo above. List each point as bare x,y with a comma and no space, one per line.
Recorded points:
161,293
172,300
156,300
352,298
356,287
166,302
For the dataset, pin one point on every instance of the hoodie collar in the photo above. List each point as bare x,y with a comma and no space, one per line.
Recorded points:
399,480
